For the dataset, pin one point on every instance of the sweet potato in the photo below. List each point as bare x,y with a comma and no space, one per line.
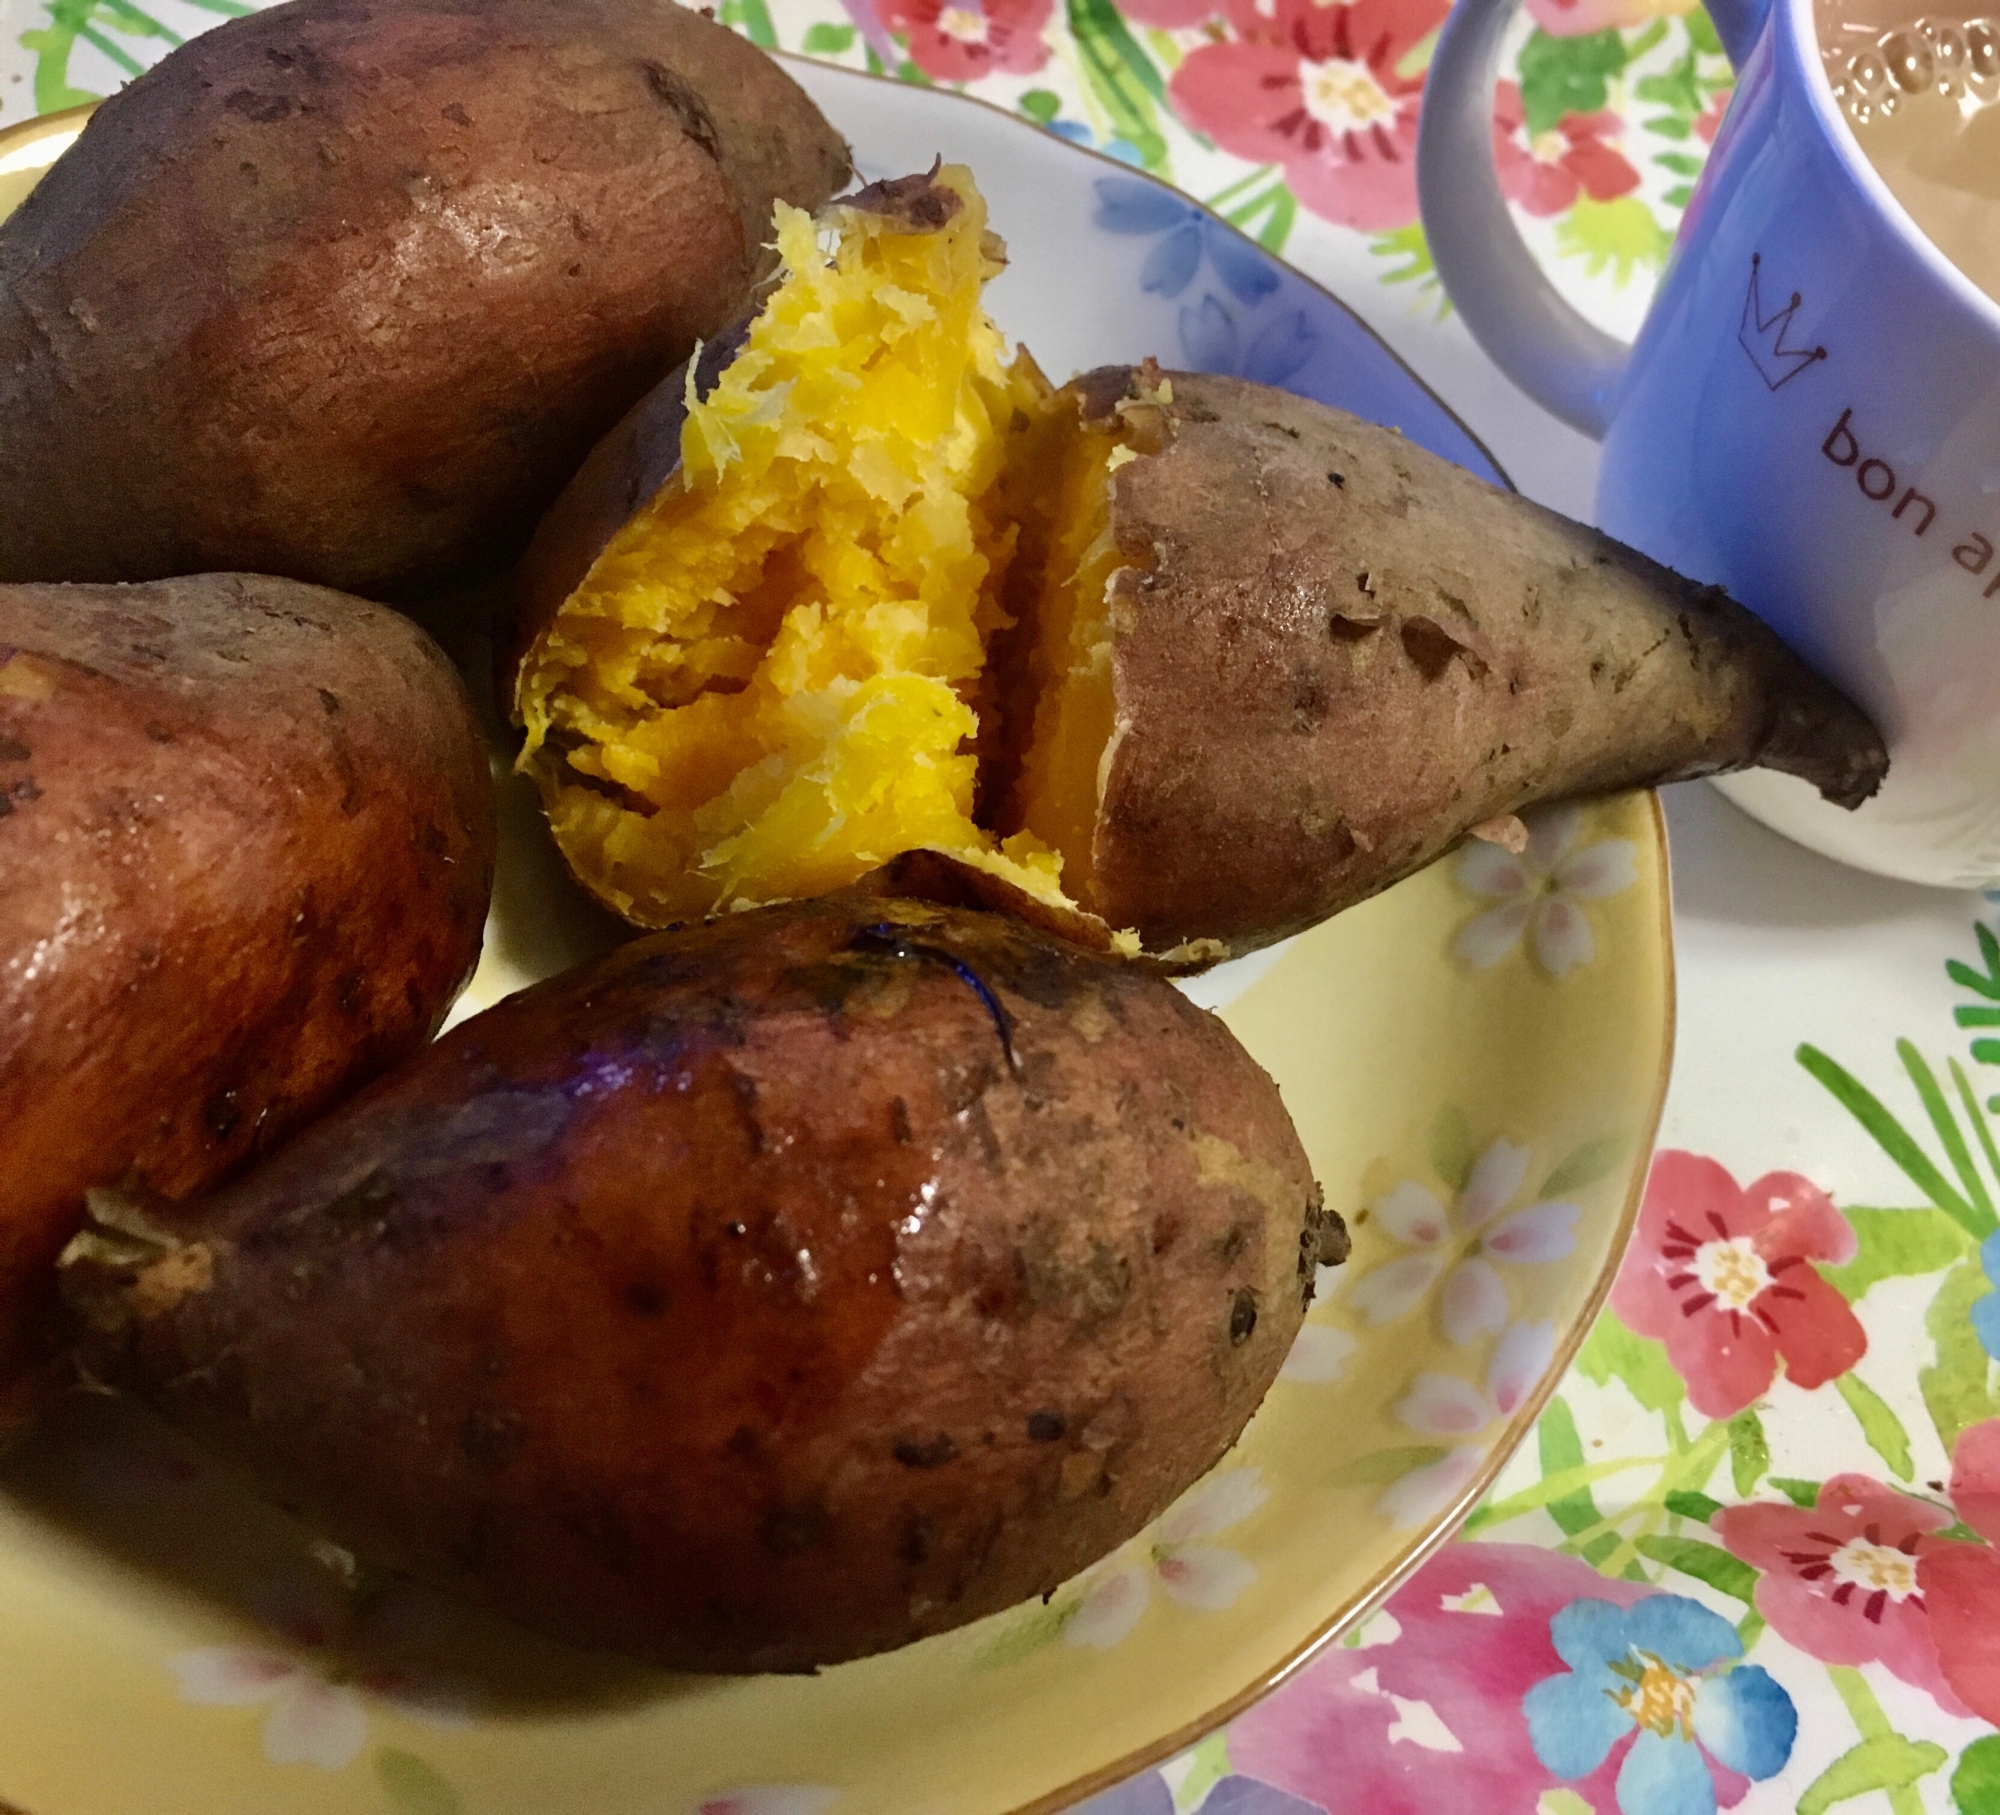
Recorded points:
753,1298
346,290
246,838
1171,664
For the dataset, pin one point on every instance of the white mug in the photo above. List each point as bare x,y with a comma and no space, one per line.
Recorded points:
1810,417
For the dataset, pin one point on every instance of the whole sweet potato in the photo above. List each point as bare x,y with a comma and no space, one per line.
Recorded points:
346,289
246,839
755,1297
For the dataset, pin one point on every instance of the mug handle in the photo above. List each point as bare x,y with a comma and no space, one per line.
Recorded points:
1506,300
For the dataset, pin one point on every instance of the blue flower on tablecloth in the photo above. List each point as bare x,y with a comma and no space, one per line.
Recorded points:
1986,1311
1148,1795
1126,205
1079,134
1663,1675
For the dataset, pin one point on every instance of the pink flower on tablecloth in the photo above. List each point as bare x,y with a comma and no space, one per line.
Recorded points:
1433,1719
1960,1582
1579,18
1543,173
1323,91
1840,1578
1709,122
311,1679
1722,1275
1170,15
962,40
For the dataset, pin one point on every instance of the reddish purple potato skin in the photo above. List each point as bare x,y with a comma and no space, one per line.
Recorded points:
734,1302
345,290
246,846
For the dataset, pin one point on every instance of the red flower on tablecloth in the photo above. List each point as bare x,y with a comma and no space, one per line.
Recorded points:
1722,1275
1961,1582
1864,1576
1322,91
1840,1577
1433,1718
962,40
1709,121
1170,15
1579,18
1545,172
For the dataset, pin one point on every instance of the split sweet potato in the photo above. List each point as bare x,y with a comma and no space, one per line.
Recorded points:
1172,664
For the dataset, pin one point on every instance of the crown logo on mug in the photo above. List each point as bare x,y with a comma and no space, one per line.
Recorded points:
1763,336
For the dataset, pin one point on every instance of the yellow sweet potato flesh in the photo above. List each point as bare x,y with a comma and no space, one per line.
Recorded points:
764,687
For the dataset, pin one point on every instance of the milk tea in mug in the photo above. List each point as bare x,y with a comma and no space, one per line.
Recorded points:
1921,91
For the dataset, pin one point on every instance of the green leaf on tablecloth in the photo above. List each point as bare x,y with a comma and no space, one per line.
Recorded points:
1749,1453
1681,163
1975,1785
1585,1165
1041,105
825,40
1883,1429
1944,1121
1619,236
1956,1387
1679,196
1612,1351
1562,1802
1705,1562
1749,1629
1452,1152
1702,34
413,1787
1208,1765
1123,80
1560,1448
752,18
1699,1507
1887,1762
1891,1136
1800,1493
1410,262
1675,88
1897,1244
1985,983
1562,76
1035,1630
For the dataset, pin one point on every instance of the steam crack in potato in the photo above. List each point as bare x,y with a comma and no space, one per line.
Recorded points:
1170,664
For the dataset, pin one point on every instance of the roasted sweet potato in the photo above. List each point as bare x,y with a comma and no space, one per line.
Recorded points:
246,838
1168,663
346,290
756,1297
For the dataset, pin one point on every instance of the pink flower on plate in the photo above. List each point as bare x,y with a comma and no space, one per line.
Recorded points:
1840,1578
1541,892
1462,1249
1544,173
1723,1276
1454,1412
317,1717
962,40
1177,1554
1327,92
1580,18
769,1799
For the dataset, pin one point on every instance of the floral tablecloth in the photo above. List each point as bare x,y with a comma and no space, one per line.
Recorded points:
1747,1559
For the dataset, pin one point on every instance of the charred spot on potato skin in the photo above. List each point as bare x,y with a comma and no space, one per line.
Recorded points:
899,1122
1047,1426
1242,1316
674,93
925,1452
1432,647
491,1436
1230,1249
221,1114
791,1531
12,750
262,110
645,1298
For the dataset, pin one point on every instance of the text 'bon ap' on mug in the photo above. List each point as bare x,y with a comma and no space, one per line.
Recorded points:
1810,416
